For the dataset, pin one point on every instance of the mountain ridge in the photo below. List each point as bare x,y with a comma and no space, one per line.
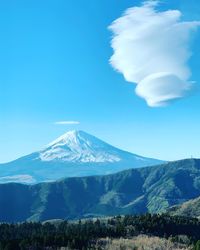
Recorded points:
150,189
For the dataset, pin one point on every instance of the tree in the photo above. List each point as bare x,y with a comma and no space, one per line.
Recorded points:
197,245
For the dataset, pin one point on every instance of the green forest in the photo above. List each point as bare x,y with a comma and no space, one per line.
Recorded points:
83,234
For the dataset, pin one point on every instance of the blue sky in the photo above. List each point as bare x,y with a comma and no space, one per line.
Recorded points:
54,66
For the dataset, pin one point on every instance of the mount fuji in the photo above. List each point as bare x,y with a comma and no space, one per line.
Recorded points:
74,154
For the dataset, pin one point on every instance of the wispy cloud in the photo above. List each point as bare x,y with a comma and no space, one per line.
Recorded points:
67,123
151,49
17,178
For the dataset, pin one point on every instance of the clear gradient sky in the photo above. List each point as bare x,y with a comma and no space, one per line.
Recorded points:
54,66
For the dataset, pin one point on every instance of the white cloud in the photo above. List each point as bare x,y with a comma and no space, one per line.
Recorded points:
67,123
151,49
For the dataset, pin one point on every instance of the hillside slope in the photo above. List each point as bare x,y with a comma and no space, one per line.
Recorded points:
189,208
152,189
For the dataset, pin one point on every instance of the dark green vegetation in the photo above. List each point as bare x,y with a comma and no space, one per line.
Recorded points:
151,189
83,235
190,208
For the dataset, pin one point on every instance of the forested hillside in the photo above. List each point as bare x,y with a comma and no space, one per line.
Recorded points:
90,233
151,189
190,208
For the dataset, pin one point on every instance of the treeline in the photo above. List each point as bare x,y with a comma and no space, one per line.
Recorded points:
83,234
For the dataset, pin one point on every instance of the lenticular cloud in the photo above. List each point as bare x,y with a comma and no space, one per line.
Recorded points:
151,49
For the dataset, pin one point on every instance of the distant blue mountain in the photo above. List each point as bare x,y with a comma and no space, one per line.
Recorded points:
74,154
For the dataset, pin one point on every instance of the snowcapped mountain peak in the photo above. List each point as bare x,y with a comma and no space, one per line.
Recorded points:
75,153
79,146
70,136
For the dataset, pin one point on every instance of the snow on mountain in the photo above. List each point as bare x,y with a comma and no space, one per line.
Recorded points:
78,146
74,154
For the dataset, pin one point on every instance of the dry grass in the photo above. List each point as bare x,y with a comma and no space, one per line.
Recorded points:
141,242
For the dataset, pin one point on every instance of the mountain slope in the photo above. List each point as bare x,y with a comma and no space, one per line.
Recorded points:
75,153
189,208
150,189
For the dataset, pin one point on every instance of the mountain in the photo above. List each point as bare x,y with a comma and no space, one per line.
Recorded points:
189,208
75,153
150,189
